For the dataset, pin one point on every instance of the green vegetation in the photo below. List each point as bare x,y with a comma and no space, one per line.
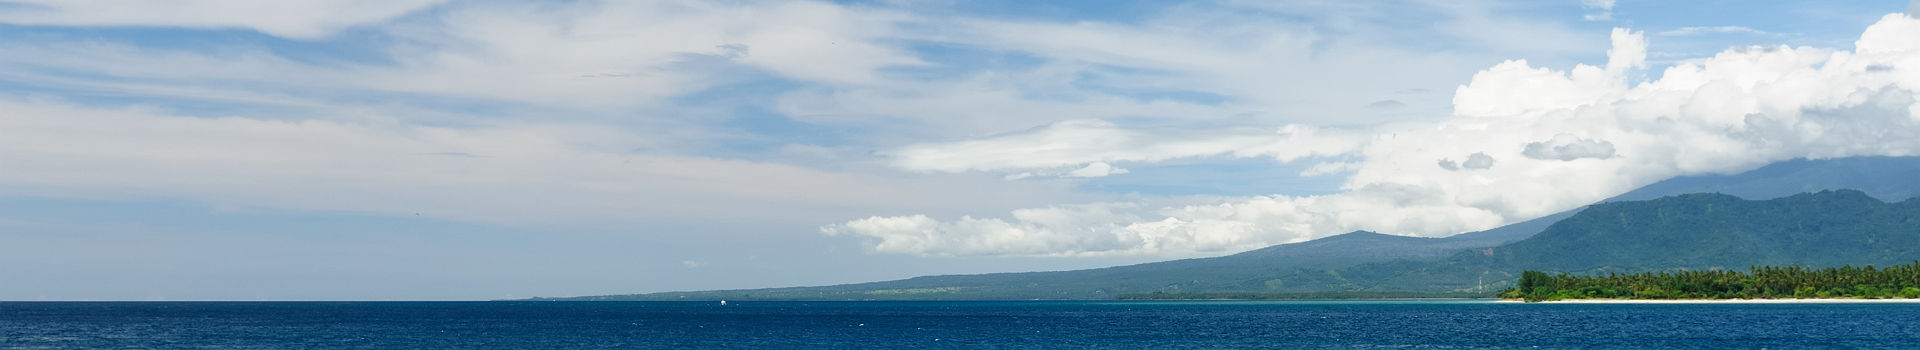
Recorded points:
1901,281
1706,231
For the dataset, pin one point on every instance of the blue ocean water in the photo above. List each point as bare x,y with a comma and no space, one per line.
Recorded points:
1036,324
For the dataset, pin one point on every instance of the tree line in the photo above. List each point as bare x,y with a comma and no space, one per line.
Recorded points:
1760,282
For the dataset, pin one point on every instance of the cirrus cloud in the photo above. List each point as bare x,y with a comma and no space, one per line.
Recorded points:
1090,145
301,19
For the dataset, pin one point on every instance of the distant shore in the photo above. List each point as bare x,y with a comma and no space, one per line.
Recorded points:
1718,301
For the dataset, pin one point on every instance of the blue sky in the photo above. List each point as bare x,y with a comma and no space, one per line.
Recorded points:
446,149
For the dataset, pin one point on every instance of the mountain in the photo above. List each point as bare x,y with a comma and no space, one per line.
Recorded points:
1248,271
1690,232
1704,231
1886,178
1357,261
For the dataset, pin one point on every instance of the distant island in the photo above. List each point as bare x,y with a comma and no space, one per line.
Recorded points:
1846,282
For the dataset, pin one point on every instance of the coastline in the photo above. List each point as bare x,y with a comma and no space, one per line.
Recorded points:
1716,301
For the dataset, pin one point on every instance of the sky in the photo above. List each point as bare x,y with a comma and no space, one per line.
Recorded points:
470,150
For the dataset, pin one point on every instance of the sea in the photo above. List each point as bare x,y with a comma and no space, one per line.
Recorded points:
1370,324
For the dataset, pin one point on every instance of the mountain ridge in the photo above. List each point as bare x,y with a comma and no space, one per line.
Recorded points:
1354,261
1686,232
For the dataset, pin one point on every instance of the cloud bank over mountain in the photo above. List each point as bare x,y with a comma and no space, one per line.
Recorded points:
708,144
1522,142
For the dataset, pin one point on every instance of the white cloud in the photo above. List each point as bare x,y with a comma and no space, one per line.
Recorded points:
621,53
1096,169
626,60
1735,111
1604,6
1890,36
1514,88
596,55
1056,230
1237,54
297,19
502,173
1330,168
1566,147
1686,31
566,71
589,59
988,104
1091,145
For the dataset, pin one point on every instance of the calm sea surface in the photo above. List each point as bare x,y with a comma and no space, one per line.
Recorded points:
1290,324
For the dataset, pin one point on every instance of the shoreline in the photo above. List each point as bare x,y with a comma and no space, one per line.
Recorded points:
1716,301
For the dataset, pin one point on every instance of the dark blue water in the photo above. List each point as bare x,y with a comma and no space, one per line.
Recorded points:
953,325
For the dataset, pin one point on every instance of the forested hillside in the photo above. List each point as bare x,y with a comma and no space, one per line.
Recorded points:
1687,232
1899,281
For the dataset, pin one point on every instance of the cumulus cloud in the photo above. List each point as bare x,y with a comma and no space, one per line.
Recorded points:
1478,160
1513,88
1567,147
1738,110
1475,161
